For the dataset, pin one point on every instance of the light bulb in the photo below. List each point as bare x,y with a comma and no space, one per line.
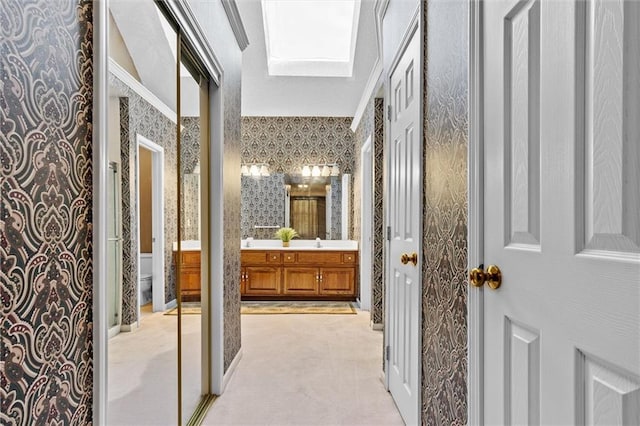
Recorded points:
326,171
264,170
316,171
335,170
255,171
306,171
245,171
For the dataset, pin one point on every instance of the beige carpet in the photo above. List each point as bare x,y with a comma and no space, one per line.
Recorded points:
307,370
285,307
186,310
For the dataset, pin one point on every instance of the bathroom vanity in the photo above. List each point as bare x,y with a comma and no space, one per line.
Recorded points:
327,273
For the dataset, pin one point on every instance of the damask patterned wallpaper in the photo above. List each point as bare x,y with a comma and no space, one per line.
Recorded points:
288,143
46,270
336,208
190,153
377,297
444,341
372,125
231,215
262,205
137,116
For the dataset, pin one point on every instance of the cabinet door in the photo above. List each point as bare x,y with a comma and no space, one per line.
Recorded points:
262,280
337,281
303,281
190,284
243,272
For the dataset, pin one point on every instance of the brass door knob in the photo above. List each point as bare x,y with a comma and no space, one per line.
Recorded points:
406,258
493,277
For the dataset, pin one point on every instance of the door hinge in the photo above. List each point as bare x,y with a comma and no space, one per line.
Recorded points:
389,112
388,233
387,351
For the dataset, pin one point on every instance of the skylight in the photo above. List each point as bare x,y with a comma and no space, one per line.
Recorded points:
315,38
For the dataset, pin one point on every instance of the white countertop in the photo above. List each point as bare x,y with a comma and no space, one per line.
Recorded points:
325,245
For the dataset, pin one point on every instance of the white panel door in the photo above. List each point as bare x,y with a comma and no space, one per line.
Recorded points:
562,212
405,189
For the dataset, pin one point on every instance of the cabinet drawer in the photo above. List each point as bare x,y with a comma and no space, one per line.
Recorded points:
289,257
251,257
349,258
191,258
319,257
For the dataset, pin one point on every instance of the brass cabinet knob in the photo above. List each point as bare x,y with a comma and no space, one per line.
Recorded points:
492,276
406,258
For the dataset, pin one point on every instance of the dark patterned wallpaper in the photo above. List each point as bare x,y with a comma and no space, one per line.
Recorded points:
46,270
262,205
372,125
288,143
444,344
137,116
231,214
377,298
190,154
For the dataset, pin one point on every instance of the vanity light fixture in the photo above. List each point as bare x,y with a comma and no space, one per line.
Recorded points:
255,170
317,170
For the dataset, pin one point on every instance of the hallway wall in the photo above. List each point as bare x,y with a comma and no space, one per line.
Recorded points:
46,273
215,24
444,325
372,124
137,116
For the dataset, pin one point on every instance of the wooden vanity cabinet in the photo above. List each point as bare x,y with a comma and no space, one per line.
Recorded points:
189,274
291,274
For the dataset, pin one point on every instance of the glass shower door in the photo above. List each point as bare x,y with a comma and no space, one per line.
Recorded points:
114,250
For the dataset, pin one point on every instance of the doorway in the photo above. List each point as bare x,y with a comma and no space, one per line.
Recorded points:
151,233
366,223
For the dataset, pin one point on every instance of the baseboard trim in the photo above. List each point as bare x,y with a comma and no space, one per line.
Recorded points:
172,304
376,326
127,328
232,368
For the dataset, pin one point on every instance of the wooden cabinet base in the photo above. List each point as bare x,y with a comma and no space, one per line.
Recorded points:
189,275
299,275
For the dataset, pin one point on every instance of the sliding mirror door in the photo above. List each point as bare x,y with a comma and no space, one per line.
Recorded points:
194,246
143,122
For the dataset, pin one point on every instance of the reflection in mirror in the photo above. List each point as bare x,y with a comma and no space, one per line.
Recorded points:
310,205
142,150
193,253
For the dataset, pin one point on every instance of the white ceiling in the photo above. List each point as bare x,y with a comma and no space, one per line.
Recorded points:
265,95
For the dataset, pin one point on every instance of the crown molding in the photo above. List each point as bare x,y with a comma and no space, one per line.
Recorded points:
375,77
231,8
146,94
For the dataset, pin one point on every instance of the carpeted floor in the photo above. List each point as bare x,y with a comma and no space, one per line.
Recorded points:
288,307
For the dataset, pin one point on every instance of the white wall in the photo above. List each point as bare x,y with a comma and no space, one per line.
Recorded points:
263,95
394,25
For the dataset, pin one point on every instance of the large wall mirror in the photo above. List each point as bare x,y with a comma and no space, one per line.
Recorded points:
159,229
309,204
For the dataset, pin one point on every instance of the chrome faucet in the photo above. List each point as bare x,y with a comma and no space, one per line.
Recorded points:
318,242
